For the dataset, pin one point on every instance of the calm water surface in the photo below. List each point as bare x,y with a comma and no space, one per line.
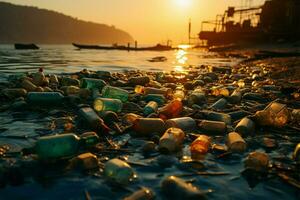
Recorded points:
66,58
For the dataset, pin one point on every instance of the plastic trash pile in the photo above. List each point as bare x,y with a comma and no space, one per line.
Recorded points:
219,113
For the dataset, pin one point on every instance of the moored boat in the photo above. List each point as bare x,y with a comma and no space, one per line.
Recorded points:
158,47
26,46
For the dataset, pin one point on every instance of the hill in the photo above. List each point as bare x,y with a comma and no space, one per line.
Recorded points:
24,24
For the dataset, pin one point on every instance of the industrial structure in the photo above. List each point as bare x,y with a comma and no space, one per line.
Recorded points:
275,20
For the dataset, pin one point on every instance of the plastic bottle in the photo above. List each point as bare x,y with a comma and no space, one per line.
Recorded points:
171,140
198,98
103,74
296,154
295,115
67,81
178,189
148,126
236,96
118,171
115,93
38,77
151,107
107,104
213,127
85,161
245,127
239,114
216,116
158,98
92,83
53,80
220,91
70,90
151,90
111,119
92,120
275,114
236,143
241,83
253,96
220,104
257,161
129,118
28,85
179,94
44,98
142,80
13,93
171,110
200,147
141,194
59,146
184,123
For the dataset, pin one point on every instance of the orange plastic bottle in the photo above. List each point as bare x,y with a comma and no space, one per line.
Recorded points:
200,147
171,110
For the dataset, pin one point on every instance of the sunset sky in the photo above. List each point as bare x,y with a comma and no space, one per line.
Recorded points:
148,21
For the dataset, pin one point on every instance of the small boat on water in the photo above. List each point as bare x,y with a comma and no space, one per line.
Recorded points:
158,47
26,46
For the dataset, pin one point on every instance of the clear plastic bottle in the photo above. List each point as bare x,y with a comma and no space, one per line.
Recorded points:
171,140
179,94
257,161
108,104
148,126
177,188
212,127
245,127
296,154
184,123
236,143
118,171
141,194
28,85
275,114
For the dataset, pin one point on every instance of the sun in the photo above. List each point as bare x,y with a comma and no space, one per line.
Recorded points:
183,3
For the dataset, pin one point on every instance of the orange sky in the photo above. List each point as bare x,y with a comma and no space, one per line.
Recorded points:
148,21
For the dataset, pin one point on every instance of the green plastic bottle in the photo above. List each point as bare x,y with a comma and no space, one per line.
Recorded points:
45,98
115,93
61,146
151,107
108,104
92,83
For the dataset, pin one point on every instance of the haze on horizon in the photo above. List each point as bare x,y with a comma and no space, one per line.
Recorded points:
148,21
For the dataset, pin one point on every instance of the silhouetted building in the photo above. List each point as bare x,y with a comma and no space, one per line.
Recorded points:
275,20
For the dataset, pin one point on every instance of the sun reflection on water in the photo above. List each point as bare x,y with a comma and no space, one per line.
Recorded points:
180,64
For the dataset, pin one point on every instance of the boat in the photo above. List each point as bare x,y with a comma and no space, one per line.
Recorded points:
26,46
158,47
